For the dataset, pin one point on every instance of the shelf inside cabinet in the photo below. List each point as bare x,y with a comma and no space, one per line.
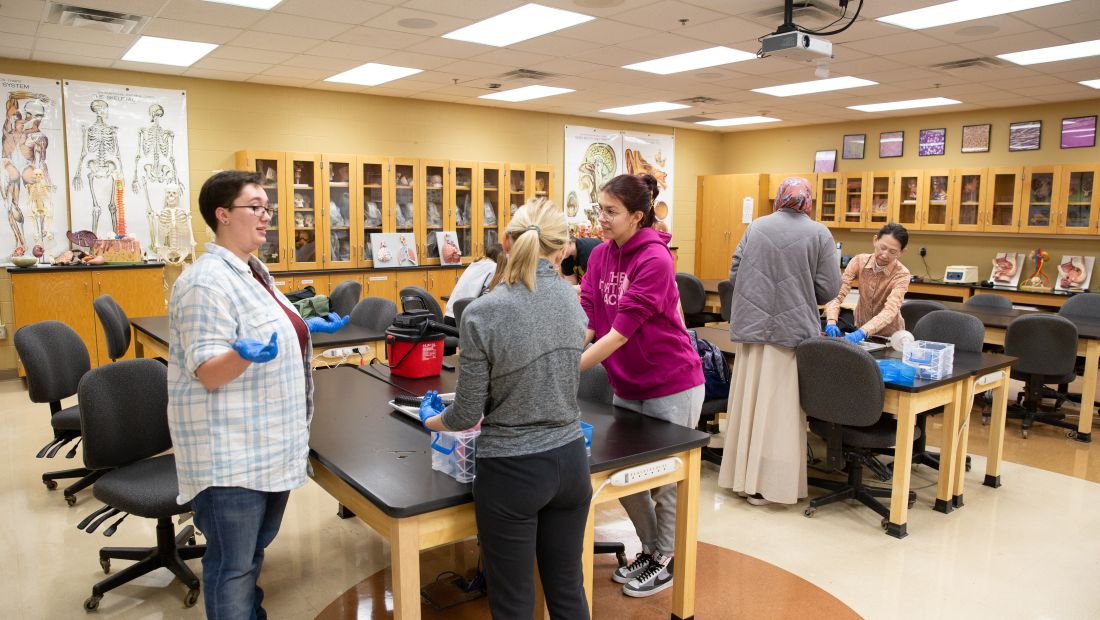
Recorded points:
338,184
302,186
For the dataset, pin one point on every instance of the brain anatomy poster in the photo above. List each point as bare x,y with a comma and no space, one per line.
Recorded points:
595,156
32,169
127,154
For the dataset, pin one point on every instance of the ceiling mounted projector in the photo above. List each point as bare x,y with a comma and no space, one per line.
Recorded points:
796,45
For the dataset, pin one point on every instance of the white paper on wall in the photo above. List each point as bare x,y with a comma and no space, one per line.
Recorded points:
130,133
36,212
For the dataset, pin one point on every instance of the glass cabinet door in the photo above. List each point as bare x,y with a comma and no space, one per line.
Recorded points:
489,212
373,213
339,209
271,167
1003,199
853,202
517,190
908,192
966,210
405,196
827,207
1078,200
1040,184
434,198
305,252
462,188
543,177
877,212
934,208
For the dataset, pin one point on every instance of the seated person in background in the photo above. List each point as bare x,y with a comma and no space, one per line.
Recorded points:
476,280
883,282
575,262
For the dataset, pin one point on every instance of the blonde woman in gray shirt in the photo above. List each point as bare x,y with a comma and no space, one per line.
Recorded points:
520,356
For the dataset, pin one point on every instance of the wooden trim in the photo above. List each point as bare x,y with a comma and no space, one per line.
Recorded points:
687,533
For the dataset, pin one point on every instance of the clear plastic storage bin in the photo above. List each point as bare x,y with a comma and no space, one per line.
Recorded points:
453,453
933,360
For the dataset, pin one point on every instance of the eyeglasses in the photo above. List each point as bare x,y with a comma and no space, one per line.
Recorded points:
257,210
602,213
886,249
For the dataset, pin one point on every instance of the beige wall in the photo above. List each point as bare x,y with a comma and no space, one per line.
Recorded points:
225,117
785,150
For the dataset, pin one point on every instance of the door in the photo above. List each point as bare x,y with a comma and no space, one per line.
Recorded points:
376,211
435,196
907,197
854,200
828,205
408,277
272,167
967,210
517,190
380,284
1079,204
460,216
543,183
339,208
488,211
140,292
1037,199
934,204
319,282
64,296
1003,199
713,225
304,221
877,211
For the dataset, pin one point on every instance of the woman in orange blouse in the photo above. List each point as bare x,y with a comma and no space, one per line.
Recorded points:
883,282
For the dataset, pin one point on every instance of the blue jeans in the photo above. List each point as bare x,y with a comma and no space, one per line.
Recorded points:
238,524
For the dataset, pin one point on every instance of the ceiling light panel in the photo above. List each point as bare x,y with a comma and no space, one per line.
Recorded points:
1052,54
711,57
645,108
265,5
526,22
960,11
174,52
527,93
904,105
814,86
1091,83
372,74
744,120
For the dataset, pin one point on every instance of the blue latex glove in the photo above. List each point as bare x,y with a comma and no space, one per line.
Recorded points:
856,336
256,351
431,405
833,331
327,324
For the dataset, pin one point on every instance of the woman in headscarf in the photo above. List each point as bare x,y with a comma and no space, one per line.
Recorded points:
784,267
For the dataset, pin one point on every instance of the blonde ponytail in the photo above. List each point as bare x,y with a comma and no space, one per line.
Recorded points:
537,230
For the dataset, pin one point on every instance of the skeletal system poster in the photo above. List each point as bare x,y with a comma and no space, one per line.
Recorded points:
32,169
127,153
595,156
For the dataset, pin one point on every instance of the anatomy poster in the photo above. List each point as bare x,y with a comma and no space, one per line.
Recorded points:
648,153
127,148
592,157
32,169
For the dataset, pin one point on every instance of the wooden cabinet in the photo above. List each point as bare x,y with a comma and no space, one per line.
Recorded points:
436,198
516,192
879,187
319,282
488,224
853,202
303,222
1079,204
1002,199
1038,193
775,179
66,296
542,178
907,197
406,196
967,204
341,209
462,203
933,200
441,282
827,198
720,223
376,214
273,168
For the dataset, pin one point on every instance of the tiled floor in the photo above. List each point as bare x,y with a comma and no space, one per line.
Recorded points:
1028,550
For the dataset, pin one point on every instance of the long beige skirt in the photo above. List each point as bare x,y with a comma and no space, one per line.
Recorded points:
765,450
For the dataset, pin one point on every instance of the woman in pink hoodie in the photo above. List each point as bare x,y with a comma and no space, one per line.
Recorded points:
629,294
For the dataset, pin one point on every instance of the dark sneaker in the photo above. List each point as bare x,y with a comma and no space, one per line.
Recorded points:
624,574
655,578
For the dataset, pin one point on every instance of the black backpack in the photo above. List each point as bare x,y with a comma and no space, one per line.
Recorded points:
716,373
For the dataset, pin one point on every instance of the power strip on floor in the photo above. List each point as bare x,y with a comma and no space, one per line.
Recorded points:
647,471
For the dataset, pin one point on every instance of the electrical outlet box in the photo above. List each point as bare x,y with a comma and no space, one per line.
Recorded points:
639,473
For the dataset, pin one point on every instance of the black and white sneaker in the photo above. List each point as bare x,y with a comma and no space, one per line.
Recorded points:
624,574
656,578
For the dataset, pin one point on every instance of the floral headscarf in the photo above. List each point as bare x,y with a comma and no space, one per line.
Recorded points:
795,193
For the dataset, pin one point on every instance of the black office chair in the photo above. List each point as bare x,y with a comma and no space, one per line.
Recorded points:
55,359
992,301
375,313
1084,306
841,390
1045,348
725,296
124,431
416,298
344,297
594,386
913,309
116,326
967,333
693,301
460,307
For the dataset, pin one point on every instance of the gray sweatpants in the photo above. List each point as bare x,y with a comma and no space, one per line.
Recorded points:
653,511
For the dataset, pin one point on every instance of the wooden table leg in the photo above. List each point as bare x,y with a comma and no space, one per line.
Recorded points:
997,418
687,532
1088,392
405,563
903,464
966,391
949,440
588,556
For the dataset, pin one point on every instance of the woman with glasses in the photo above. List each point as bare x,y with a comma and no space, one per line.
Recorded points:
629,294
883,282
240,393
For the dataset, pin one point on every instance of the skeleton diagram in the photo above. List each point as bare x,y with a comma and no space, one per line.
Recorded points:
156,144
23,152
174,241
99,152
38,195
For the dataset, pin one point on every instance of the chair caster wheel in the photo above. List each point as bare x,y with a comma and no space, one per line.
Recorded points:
191,598
1024,433
50,484
70,500
885,524
985,420
105,564
621,559
911,503
809,512
92,603
191,542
